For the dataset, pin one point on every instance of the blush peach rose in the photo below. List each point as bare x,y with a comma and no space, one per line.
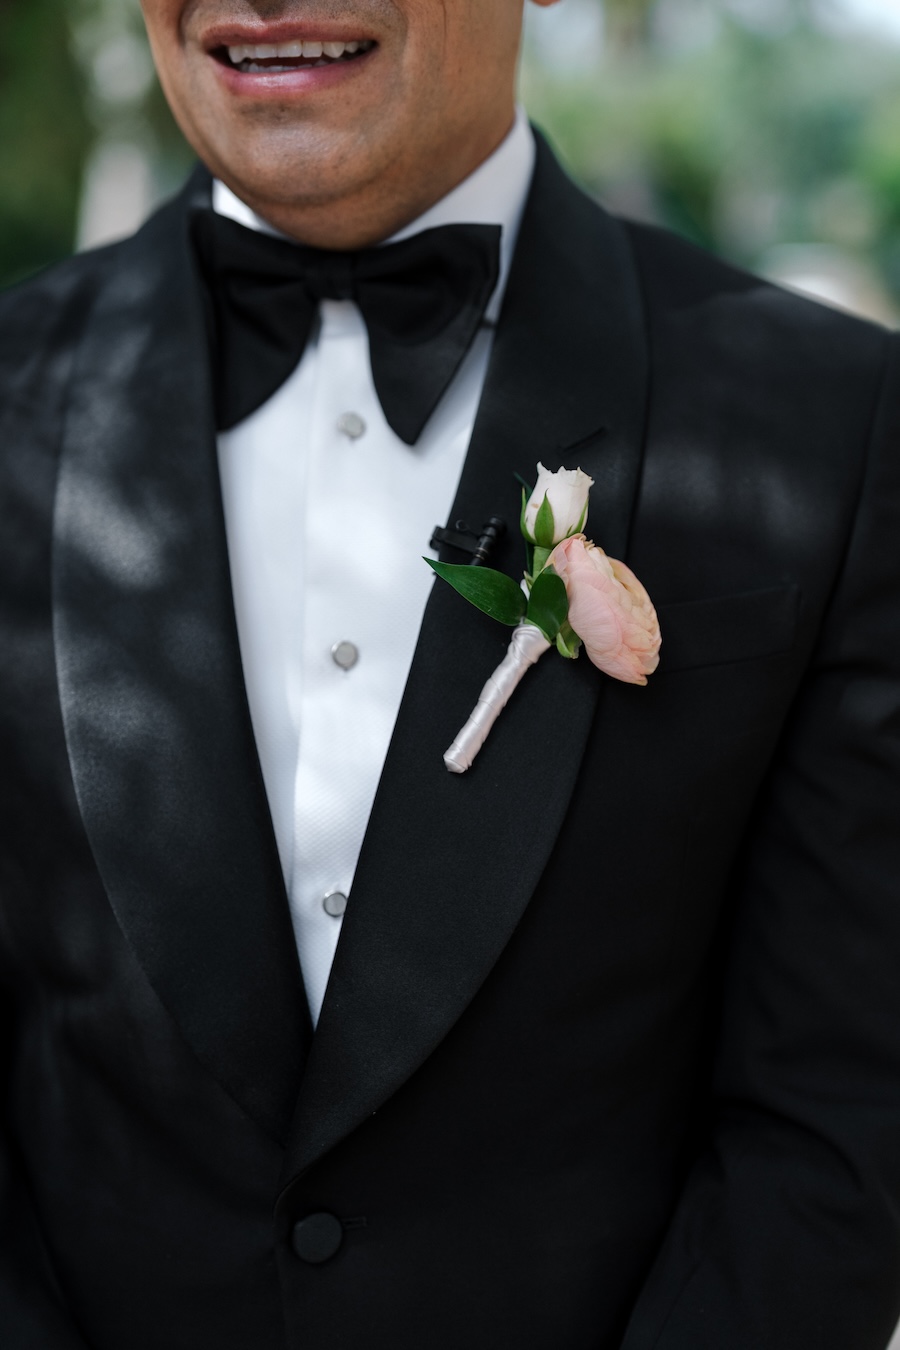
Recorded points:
609,610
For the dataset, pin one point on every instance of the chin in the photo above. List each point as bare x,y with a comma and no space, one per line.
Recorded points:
294,170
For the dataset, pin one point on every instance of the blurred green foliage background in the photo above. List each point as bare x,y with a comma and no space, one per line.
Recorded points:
768,130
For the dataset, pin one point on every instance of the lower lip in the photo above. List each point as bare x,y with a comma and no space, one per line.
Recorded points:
296,83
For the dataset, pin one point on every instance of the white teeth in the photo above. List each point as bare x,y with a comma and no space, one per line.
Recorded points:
313,51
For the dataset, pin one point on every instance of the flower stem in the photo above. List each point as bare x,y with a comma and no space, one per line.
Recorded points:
527,646
540,559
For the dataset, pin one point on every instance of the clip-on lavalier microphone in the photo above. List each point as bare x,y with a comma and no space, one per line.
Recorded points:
479,546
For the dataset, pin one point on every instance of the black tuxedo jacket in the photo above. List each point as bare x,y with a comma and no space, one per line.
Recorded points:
610,1056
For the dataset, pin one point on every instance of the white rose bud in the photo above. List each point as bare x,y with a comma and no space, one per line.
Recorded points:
565,512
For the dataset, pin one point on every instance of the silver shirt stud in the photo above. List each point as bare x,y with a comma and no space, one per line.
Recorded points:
335,904
352,425
345,655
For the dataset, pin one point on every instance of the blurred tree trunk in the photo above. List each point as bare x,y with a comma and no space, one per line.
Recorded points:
628,24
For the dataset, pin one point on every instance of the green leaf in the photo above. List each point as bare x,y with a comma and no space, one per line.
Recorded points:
568,643
492,592
548,605
525,535
544,524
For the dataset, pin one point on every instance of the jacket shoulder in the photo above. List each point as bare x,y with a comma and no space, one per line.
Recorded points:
41,312
48,311
680,279
743,357
41,323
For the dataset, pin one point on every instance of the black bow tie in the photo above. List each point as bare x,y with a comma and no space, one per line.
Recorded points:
423,300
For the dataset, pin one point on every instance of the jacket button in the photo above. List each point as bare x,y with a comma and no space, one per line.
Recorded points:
317,1237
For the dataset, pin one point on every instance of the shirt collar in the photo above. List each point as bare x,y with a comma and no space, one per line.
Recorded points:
495,194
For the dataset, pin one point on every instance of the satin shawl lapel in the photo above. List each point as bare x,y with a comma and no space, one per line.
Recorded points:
157,725
449,863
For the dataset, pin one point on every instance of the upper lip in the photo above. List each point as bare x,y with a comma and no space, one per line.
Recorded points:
310,30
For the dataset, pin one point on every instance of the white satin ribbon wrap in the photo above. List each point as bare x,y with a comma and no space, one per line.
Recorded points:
527,647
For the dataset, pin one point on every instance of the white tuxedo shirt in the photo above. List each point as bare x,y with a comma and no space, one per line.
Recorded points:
328,515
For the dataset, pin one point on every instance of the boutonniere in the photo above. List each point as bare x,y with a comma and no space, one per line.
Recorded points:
571,595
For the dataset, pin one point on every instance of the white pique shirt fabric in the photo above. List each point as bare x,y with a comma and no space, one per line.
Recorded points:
326,535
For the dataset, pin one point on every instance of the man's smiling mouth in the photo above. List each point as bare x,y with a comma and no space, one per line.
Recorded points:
268,58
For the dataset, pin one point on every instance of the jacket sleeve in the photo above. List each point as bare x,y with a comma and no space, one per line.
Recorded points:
787,1234
33,354
33,1314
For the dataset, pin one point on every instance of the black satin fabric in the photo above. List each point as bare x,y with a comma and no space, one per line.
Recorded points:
610,1055
422,298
